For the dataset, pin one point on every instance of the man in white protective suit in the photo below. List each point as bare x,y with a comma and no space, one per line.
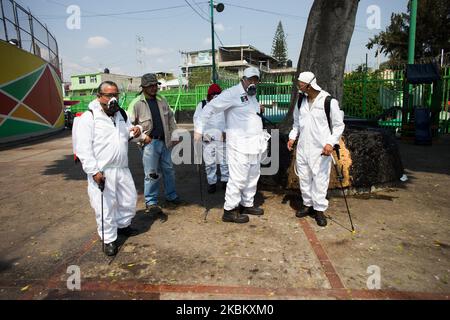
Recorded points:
102,135
318,131
214,137
245,143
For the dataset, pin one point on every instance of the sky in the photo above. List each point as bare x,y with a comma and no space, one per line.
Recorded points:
108,33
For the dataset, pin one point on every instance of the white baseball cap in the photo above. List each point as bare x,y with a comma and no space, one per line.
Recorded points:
310,78
251,72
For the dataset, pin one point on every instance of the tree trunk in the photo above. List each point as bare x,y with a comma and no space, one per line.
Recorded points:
369,156
325,47
324,51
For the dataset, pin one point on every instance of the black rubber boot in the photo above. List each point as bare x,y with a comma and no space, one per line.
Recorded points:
320,218
111,249
304,211
251,210
234,216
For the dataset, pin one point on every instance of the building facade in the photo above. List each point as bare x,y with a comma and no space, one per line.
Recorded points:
87,84
234,60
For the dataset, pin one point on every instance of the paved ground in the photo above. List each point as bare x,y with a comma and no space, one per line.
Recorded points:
47,225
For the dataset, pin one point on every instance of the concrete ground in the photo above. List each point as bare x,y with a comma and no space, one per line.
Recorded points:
47,224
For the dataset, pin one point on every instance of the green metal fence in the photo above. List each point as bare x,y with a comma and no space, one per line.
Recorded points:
124,101
275,97
366,96
370,96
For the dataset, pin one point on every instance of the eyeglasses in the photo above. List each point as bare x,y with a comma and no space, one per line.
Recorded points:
110,95
155,85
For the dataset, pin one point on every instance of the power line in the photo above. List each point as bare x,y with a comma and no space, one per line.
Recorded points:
201,16
218,37
135,12
286,15
267,11
114,14
197,4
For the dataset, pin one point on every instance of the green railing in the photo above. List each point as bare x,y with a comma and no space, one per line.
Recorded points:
368,96
365,96
275,97
82,106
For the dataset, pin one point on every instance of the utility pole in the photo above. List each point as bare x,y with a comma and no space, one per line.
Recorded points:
219,7
411,53
412,32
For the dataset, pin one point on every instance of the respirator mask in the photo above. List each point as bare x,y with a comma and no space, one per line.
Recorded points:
251,89
113,107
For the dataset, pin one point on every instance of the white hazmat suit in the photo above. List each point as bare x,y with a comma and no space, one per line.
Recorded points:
214,148
101,144
245,142
311,127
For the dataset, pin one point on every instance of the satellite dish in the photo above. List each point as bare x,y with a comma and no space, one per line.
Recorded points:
219,7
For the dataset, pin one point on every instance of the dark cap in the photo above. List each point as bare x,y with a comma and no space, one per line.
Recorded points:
148,79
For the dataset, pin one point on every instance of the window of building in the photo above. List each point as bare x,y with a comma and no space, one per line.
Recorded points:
82,80
93,79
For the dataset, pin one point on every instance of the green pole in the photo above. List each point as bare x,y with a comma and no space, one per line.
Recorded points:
407,101
213,52
412,31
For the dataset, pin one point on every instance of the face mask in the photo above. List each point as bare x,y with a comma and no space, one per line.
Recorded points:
113,107
251,89
303,93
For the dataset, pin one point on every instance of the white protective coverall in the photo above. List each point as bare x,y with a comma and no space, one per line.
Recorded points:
246,141
214,148
102,146
311,126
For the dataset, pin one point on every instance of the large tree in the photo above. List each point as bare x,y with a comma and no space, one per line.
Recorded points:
324,51
325,47
279,46
432,33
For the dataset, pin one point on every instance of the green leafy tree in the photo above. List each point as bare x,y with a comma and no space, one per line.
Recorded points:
279,46
200,75
432,33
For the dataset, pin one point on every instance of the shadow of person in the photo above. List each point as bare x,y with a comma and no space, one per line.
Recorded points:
295,201
259,199
143,221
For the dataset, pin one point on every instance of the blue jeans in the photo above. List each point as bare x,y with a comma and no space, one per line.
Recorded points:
157,160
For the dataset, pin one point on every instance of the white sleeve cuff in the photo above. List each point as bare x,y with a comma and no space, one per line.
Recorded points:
293,134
